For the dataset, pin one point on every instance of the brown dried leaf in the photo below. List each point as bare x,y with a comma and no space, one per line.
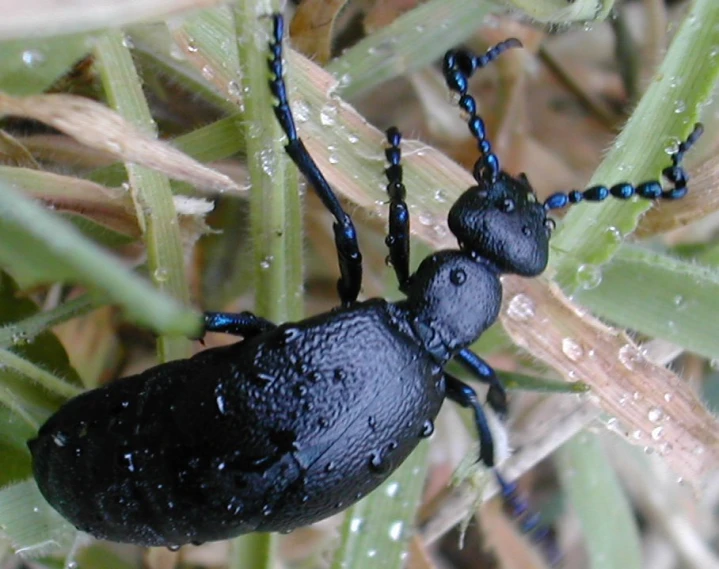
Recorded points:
312,28
55,17
654,407
702,200
99,127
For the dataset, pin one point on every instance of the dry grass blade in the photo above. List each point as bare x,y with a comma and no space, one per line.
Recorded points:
653,406
55,17
97,126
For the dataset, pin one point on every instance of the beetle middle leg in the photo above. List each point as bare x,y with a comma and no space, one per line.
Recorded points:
464,395
348,253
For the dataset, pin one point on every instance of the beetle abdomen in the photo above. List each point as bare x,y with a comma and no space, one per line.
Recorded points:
268,434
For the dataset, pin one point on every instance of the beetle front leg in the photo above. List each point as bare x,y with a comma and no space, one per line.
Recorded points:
243,324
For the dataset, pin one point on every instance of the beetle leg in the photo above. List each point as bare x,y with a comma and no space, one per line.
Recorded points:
398,237
243,324
464,395
481,370
348,253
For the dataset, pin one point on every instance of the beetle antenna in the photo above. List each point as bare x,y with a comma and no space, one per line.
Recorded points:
458,67
650,190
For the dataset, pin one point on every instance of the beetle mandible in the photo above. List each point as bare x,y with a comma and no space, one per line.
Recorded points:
296,422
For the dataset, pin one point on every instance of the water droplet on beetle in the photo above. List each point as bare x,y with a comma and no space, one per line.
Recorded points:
427,429
379,464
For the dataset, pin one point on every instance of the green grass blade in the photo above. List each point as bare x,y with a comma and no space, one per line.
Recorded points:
659,296
44,248
610,528
666,113
376,530
151,189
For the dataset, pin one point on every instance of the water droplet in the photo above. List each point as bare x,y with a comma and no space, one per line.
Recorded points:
614,234
440,196
427,429
572,349
33,57
328,115
174,547
160,274
426,218
127,42
207,72
233,88
60,439
668,397
698,450
395,531
129,460
520,308
378,464
680,106
655,414
191,45
220,400
266,510
657,433
630,356
637,434
356,525
371,552
330,467
266,263
589,276
392,489
301,111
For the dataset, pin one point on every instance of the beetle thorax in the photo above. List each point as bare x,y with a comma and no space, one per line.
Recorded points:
452,299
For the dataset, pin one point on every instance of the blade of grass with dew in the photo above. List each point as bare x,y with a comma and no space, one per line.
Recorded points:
561,12
215,141
588,235
31,525
44,248
376,530
150,189
408,44
275,215
659,296
32,66
610,528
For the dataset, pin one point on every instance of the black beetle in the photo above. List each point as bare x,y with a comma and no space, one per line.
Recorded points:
298,421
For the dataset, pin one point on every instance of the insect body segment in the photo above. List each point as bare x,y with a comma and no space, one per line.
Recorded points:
296,422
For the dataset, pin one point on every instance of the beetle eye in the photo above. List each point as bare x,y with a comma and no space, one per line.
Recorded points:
507,205
458,277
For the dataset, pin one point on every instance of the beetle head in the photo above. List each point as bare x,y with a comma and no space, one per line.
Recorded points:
503,222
